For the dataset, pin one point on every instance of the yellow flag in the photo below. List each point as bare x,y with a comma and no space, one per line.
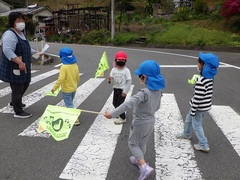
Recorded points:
194,79
103,65
58,121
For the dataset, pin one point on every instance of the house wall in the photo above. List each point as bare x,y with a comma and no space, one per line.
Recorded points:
44,13
4,7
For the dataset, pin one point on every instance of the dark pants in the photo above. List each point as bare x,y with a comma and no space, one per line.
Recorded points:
17,93
118,99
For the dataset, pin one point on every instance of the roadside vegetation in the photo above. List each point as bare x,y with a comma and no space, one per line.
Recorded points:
188,26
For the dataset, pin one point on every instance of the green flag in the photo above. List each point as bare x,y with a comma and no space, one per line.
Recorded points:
194,79
49,93
103,65
58,121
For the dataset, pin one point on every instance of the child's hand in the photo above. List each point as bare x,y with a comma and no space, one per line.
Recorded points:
109,80
52,91
108,115
123,94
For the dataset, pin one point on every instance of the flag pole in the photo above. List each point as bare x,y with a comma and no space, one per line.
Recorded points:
94,112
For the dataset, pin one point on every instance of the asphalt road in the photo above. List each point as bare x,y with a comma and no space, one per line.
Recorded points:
40,158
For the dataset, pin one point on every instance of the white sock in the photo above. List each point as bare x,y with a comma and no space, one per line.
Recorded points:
143,166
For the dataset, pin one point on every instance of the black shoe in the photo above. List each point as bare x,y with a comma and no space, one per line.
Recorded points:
22,115
23,105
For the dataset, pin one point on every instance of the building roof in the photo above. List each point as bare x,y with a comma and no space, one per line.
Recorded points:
30,10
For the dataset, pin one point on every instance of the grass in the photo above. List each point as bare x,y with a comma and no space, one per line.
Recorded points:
188,33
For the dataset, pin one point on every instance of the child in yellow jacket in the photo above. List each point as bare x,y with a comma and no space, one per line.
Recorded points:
68,77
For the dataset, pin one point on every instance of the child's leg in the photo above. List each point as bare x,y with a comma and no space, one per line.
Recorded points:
118,99
197,126
68,99
116,93
188,125
138,138
121,99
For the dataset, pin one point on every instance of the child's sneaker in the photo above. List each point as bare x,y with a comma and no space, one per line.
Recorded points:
22,115
10,104
120,121
145,172
77,122
182,136
134,161
201,148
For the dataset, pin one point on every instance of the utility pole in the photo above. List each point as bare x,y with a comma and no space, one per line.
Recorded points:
112,20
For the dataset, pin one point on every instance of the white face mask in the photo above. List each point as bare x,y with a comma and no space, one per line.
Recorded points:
198,69
20,26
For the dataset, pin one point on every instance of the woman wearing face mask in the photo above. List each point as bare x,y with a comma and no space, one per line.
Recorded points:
122,81
15,67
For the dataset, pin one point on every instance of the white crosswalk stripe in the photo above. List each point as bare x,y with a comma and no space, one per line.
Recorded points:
229,122
7,90
31,98
81,94
174,158
93,146
32,71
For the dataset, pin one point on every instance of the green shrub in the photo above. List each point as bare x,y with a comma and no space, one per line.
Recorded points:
233,23
3,24
183,14
101,36
200,7
124,38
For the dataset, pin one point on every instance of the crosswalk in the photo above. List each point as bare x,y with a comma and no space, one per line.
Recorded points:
91,160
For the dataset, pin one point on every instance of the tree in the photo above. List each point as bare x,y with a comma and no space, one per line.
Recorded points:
123,6
231,11
230,8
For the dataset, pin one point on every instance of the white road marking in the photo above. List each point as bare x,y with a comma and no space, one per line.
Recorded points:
35,79
93,156
81,94
229,122
32,71
184,66
58,65
174,157
229,65
31,98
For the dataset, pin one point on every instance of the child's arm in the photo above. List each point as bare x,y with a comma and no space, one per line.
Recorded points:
131,103
60,79
127,87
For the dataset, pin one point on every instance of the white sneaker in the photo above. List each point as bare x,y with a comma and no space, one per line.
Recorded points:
201,148
120,121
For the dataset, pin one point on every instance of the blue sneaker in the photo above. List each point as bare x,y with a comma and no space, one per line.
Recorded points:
134,161
145,172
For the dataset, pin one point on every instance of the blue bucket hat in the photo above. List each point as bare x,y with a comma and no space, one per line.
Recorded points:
67,56
211,63
151,70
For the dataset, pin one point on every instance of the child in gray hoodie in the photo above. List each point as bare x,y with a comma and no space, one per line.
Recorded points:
144,104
